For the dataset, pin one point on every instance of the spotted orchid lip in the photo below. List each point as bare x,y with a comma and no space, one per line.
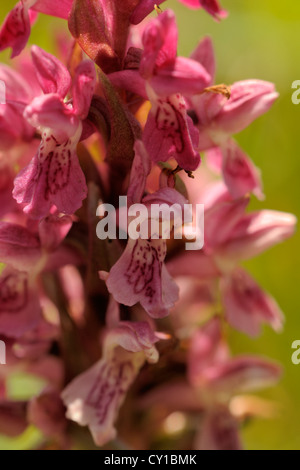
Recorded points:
54,177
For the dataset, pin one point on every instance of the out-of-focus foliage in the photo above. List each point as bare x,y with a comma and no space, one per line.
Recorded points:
257,40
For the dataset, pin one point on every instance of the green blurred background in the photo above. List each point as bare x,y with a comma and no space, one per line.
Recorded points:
259,39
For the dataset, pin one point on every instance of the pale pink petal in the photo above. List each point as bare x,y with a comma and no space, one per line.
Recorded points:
83,88
134,337
54,177
60,9
19,91
170,133
94,398
242,374
214,159
166,211
16,28
204,54
247,305
191,3
207,107
183,75
249,100
160,40
215,193
21,130
52,75
167,196
221,220
255,233
49,111
19,87
218,117
138,276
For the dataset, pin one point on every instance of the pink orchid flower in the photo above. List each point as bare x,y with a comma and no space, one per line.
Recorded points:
218,118
140,274
214,378
54,176
247,305
16,28
164,78
169,132
94,398
26,256
243,236
211,367
18,141
253,234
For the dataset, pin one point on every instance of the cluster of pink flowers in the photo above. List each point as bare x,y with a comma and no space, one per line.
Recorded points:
126,333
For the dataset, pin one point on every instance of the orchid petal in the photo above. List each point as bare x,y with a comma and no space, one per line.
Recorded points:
204,54
255,233
247,305
49,111
83,89
53,177
16,28
95,397
170,133
160,40
139,276
53,76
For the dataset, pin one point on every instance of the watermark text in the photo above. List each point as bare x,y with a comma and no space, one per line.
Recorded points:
154,221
